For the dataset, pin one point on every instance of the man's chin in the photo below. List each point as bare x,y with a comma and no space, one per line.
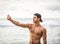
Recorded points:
35,22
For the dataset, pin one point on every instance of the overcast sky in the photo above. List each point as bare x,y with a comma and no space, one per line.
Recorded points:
26,8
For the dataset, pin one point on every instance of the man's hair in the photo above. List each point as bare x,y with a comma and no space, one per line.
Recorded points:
39,16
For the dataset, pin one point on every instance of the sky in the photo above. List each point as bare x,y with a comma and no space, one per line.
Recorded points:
27,8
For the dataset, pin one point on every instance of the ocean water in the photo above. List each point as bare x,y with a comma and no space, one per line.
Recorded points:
11,34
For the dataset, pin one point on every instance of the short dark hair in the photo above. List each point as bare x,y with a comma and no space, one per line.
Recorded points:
39,16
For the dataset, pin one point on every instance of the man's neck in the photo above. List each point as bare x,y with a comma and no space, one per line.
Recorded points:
37,24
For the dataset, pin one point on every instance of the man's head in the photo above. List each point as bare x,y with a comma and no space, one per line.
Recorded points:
37,18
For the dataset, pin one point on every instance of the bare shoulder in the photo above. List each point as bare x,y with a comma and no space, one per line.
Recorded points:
43,29
30,25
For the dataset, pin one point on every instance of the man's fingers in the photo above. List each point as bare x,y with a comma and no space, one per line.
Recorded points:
8,17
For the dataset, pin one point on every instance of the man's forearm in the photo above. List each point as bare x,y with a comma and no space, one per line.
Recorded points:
45,42
14,22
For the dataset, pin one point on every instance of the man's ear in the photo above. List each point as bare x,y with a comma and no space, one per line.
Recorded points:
39,19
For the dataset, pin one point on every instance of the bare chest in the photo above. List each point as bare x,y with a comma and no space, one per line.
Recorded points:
36,30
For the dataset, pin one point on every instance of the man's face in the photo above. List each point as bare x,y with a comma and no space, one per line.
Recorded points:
35,19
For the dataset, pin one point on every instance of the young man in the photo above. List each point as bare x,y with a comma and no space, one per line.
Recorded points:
36,30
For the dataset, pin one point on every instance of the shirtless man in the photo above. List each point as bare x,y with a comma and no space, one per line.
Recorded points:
36,30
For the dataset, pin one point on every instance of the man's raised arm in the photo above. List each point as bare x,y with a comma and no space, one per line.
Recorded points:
18,23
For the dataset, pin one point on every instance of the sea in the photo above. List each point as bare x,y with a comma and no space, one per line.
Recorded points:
12,34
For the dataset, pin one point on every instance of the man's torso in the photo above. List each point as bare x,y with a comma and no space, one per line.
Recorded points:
35,34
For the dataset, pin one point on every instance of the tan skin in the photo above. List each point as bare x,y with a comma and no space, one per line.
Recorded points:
36,30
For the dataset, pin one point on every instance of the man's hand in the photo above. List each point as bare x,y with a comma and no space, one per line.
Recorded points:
8,17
